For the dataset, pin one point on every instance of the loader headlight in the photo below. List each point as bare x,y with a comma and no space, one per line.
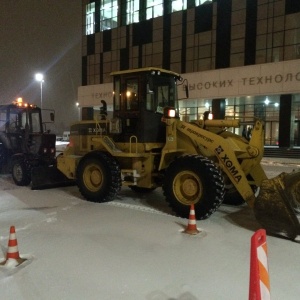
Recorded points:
169,112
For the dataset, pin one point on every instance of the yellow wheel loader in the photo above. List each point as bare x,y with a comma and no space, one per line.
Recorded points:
145,145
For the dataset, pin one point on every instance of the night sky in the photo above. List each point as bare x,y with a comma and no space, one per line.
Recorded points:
42,36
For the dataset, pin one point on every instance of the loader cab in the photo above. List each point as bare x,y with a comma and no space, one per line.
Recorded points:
139,99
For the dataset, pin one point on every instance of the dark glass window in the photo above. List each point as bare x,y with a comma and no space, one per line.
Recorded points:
203,18
90,44
292,6
142,32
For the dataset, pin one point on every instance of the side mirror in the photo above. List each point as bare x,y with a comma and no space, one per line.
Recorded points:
185,86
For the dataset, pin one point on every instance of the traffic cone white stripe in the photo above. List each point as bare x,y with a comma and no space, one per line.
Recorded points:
12,249
264,292
12,236
262,257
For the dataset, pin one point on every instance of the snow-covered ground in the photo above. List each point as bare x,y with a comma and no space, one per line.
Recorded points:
132,248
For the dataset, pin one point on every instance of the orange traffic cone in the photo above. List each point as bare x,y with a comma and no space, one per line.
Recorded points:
192,226
259,286
12,251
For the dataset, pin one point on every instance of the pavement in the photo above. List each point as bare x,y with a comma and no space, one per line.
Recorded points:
281,160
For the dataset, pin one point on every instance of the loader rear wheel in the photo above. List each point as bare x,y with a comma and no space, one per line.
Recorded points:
194,180
99,178
20,173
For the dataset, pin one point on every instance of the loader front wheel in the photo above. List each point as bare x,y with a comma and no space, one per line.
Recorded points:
193,179
98,178
20,173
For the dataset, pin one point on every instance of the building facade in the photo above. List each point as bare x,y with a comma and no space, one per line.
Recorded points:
241,57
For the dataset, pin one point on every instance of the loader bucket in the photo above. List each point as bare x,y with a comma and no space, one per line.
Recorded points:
277,207
48,177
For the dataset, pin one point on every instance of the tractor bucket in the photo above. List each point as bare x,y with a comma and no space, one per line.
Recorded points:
48,177
277,207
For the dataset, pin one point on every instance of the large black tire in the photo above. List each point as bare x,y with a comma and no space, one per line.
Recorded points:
98,177
193,179
20,173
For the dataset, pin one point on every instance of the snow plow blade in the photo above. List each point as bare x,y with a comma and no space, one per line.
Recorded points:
277,207
48,177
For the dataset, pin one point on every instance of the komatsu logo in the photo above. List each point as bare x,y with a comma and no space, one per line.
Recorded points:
228,164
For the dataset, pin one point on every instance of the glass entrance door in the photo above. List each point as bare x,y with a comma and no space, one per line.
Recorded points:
271,133
297,133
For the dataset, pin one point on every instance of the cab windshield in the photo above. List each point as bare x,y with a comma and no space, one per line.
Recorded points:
161,92
14,119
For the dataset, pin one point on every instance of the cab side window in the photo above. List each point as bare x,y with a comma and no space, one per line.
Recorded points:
150,105
117,94
35,123
131,94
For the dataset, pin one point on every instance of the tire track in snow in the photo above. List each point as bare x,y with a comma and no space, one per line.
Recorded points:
139,208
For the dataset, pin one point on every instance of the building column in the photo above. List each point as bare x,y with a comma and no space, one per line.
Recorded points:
87,113
285,111
218,108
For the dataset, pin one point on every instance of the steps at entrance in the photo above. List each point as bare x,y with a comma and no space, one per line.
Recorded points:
282,152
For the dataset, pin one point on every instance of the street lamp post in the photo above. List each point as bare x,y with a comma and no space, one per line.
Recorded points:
40,78
78,107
